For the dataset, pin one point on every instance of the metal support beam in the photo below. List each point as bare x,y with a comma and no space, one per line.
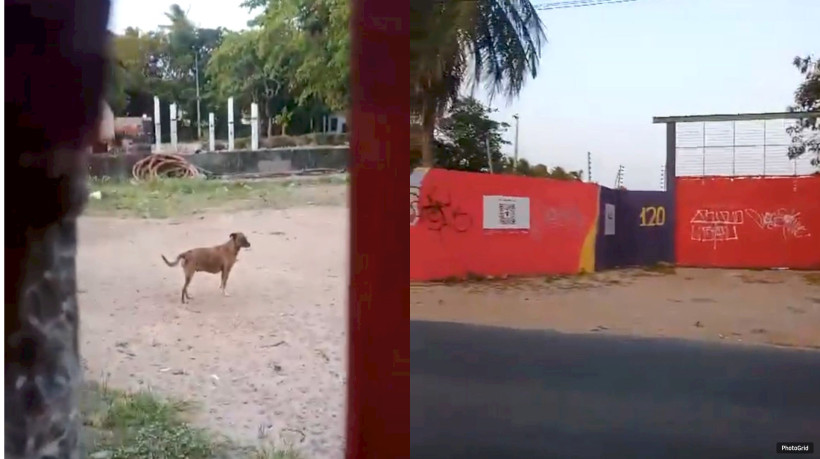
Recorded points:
671,157
735,117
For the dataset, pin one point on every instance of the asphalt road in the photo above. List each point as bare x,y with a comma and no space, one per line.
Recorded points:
481,392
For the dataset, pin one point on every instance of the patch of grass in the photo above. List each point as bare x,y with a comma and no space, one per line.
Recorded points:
469,278
120,425
812,278
164,198
449,280
474,277
661,268
555,278
760,278
613,281
269,452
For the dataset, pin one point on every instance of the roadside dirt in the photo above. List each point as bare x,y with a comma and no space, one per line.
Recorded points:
744,307
267,362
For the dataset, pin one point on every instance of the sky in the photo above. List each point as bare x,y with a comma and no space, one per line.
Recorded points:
607,70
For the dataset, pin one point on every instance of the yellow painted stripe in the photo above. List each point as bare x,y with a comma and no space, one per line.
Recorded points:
586,262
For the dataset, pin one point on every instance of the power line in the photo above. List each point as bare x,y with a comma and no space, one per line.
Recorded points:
577,4
556,5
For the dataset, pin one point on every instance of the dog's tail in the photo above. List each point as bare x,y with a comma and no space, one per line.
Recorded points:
172,263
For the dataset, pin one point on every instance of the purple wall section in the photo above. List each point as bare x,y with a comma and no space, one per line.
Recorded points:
606,246
644,229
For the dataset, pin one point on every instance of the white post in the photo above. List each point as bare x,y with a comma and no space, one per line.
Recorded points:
157,125
173,109
515,148
254,126
211,141
230,123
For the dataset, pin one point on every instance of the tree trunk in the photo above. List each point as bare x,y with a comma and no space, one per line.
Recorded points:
269,129
46,161
428,125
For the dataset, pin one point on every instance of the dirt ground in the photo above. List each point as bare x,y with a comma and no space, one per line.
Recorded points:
267,361
743,307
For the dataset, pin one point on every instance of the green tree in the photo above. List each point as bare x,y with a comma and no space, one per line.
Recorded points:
238,68
559,173
135,72
313,37
494,43
463,136
806,99
539,170
163,63
186,52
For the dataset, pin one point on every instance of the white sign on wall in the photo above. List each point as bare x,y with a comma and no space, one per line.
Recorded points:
506,212
609,219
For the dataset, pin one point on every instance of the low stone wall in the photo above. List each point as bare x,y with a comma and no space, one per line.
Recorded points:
114,165
274,160
271,160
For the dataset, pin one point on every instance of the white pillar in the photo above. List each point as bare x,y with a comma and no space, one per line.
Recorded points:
254,126
173,109
211,142
157,125
230,123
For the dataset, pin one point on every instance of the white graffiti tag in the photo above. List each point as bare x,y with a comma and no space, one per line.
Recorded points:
715,225
786,221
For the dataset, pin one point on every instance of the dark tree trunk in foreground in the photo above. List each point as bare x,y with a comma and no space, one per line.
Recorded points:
55,67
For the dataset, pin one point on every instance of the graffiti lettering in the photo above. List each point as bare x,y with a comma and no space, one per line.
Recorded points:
653,216
715,226
440,214
564,216
786,221
414,205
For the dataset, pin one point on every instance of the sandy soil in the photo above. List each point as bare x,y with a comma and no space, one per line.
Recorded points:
747,307
266,361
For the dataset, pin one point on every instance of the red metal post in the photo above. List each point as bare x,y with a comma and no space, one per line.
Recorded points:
378,412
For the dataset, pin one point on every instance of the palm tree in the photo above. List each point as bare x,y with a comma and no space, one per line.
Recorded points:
496,43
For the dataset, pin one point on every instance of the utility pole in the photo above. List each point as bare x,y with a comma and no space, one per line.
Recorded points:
198,112
489,156
515,146
589,167
663,178
619,179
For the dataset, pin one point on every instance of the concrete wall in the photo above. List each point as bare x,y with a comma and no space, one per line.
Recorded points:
116,166
748,222
643,230
558,227
455,226
119,166
272,160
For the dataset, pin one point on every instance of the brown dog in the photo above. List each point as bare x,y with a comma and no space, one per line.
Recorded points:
219,259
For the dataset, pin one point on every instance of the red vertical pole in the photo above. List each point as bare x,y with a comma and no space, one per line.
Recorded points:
378,412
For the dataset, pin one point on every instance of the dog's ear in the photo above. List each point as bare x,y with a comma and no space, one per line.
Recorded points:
232,235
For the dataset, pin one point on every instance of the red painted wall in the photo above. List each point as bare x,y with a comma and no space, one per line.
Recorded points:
749,222
561,215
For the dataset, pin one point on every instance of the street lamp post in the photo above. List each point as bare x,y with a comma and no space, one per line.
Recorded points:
515,146
198,111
